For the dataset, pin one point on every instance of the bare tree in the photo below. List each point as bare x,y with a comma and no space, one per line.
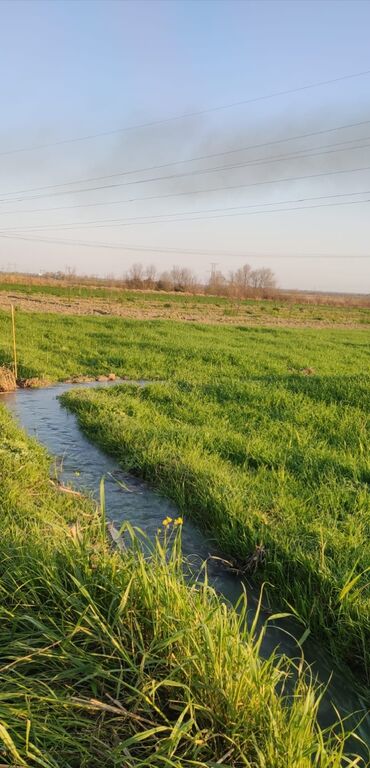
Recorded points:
164,282
217,284
135,275
150,275
183,279
70,272
243,279
262,278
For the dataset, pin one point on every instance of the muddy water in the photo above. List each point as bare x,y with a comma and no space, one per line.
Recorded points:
82,464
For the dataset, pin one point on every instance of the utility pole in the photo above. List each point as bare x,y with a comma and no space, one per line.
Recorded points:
214,264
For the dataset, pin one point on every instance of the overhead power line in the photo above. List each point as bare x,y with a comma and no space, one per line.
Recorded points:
222,188
178,194
331,148
254,213
185,115
193,217
264,159
199,172
123,246
168,217
196,252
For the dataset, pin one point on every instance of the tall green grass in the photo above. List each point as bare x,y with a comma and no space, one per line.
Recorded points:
109,658
257,451
57,346
271,462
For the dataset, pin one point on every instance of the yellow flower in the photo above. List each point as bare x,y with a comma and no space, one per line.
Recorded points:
167,521
179,521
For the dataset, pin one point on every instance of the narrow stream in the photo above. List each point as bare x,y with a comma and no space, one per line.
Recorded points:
82,464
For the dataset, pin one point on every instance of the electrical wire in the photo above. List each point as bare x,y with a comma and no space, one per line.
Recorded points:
196,172
185,115
176,251
252,184
297,152
167,217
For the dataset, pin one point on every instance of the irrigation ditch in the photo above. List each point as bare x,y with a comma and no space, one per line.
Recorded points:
80,465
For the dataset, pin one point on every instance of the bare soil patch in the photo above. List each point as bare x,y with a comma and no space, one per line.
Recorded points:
201,313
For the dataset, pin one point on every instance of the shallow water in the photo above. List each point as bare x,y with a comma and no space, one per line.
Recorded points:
82,464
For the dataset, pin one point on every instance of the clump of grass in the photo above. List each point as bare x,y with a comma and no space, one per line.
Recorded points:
110,658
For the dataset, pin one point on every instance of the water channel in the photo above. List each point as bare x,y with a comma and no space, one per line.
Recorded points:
82,464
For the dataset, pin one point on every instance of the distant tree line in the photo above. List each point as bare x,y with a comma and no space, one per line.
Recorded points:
240,283
244,282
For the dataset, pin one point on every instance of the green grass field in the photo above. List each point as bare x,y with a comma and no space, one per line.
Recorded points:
110,659
57,346
255,450
278,462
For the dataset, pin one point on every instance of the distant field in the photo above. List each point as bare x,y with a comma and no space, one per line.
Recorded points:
89,300
261,435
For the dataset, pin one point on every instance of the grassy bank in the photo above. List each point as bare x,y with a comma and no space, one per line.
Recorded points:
261,434
255,464
109,659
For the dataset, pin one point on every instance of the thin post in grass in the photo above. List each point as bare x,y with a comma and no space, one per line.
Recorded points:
102,508
15,367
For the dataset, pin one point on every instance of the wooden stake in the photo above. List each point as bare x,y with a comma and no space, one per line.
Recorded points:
14,345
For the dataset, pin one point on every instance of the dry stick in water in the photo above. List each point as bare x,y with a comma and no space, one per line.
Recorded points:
14,345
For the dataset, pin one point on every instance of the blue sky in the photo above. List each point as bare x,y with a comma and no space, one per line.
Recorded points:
75,68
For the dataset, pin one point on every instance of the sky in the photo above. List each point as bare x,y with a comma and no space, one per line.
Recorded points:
235,185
